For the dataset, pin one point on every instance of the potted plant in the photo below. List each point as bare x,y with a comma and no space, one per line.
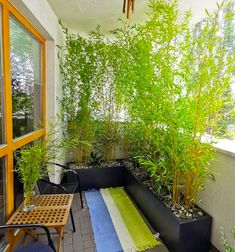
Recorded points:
32,160
30,169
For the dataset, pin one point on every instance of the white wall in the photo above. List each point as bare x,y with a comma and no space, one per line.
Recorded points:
219,197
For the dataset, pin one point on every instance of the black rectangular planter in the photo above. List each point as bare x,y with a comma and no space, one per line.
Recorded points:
100,177
178,235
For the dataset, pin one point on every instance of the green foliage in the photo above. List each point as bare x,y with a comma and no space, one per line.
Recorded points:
228,33
87,101
95,158
31,159
30,165
159,173
170,81
183,100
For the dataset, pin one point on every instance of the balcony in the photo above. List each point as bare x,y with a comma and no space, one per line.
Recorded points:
151,94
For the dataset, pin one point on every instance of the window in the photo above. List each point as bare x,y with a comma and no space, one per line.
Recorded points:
1,85
22,73
26,81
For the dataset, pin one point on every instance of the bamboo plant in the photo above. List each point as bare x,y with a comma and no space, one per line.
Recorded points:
30,168
171,80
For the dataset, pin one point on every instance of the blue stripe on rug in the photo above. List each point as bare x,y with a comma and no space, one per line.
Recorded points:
106,238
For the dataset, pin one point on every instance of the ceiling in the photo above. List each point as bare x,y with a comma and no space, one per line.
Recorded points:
84,15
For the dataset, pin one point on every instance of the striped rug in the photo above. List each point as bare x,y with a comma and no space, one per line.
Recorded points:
116,223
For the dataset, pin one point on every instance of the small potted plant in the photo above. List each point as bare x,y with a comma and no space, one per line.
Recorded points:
30,167
33,159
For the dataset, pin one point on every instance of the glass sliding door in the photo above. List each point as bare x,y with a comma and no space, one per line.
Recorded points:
26,81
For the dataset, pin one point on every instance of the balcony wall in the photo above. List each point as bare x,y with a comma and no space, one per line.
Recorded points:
219,197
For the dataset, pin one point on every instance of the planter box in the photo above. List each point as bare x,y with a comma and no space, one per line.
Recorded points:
95,178
178,235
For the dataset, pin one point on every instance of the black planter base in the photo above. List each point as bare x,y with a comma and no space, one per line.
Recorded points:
178,235
96,178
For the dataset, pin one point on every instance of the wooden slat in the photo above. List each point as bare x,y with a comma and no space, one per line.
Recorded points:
44,95
4,149
8,110
24,22
51,210
19,142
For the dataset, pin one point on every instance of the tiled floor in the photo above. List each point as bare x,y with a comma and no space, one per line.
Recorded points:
83,240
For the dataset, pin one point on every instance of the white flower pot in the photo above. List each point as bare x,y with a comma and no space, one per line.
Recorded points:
55,174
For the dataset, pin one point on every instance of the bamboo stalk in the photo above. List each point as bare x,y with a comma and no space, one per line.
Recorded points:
133,5
128,8
124,6
130,5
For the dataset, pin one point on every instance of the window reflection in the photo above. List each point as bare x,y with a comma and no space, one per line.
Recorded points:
26,80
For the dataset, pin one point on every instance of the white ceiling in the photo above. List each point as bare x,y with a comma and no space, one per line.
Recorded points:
84,15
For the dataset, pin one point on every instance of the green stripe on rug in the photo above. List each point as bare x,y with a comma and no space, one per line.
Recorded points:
136,226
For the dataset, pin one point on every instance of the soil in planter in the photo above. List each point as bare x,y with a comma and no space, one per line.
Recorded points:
107,164
179,210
